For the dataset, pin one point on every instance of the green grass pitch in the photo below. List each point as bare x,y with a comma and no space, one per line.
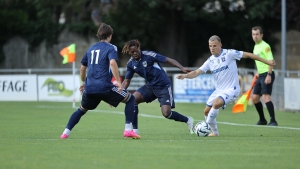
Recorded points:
29,139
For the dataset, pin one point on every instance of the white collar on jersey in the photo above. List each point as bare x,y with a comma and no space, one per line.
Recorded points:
219,54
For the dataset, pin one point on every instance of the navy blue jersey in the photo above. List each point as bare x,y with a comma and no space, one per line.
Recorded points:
96,58
149,68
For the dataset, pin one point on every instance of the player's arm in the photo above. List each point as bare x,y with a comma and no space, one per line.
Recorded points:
115,71
255,57
128,77
176,64
83,73
82,77
126,83
190,75
83,68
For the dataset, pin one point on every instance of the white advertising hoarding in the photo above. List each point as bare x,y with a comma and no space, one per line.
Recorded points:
291,94
58,88
135,83
18,87
195,90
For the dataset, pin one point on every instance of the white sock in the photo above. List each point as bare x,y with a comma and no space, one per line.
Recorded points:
214,127
136,131
213,113
128,126
66,131
189,120
205,117
212,121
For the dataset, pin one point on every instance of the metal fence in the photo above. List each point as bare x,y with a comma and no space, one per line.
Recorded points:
245,76
278,85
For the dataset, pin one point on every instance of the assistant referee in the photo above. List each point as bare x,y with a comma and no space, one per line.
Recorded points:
264,83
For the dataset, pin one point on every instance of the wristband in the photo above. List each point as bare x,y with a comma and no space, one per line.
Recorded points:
83,82
270,74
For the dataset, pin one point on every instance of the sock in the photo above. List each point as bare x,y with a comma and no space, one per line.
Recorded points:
129,110
205,117
212,121
74,119
214,127
136,131
135,118
260,110
67,131
128,126
270,108
177,117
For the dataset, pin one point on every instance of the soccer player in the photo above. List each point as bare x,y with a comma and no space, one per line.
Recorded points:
264,83
100,59
222,64
159,86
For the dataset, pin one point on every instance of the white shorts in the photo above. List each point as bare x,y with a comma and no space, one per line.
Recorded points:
228,96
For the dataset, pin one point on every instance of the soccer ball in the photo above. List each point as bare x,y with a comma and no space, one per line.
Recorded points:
202,129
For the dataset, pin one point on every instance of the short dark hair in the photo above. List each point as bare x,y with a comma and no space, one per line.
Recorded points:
104,31
258,28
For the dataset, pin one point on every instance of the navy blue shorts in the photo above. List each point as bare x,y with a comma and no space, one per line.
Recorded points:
260,87
113,97
163,94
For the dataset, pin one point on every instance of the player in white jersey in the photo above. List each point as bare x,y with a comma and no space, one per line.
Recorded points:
222,64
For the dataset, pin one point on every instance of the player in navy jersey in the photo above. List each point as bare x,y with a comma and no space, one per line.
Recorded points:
222,65
100,60
159,86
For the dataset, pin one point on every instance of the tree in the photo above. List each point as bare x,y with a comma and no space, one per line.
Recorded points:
180,28
292,13
176,28
36,20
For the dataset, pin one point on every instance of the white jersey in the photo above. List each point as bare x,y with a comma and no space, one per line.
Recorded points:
224,68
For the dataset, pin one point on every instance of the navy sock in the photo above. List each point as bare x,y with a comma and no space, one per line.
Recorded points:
129,110
177,117
270,108
74,119
260,110
135,118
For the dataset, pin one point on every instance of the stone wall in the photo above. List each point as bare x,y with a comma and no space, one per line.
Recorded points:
18,56
292,50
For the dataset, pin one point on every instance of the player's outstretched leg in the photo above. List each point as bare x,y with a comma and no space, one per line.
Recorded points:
190,124
135,119
173,115
129,115
211,120
74,119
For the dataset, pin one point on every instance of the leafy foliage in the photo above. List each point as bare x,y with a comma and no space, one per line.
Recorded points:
147,20
136,19
151,21
36,21
20,18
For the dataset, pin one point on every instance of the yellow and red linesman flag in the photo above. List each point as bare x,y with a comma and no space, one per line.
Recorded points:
69,54
241,105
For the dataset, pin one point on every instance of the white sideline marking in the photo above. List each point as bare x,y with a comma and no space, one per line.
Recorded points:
202,139
50,139
161,117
